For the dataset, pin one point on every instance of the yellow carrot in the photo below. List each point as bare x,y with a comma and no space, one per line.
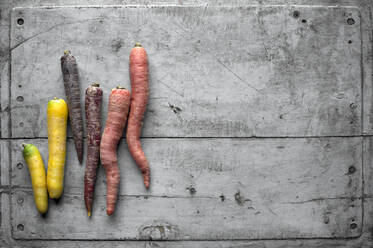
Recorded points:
36,167
57,124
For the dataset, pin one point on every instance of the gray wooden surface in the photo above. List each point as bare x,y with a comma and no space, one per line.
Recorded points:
218,71
210,189
239,71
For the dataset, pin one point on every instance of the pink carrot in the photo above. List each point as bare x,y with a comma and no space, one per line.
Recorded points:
119,102
140,93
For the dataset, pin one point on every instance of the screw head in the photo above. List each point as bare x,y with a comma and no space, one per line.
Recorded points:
295,13
353,226
353,106
19,166
351,169
350,21
20,200
20,21
20,227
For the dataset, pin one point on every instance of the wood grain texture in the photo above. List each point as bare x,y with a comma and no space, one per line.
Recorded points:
224,166
219,71
362,241
4,179
77,244
7,241
367,61
190,218
5,163
368,165
260,244
213,185
4,70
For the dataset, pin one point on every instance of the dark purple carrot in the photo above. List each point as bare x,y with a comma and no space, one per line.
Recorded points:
72,90
93,102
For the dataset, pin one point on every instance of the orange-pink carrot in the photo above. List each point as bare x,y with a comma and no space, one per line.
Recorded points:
119,102
139,98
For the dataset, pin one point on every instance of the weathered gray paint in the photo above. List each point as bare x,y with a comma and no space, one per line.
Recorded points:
4,69
367,168
219,71
363,241
184,218
4,160
216,177
289,169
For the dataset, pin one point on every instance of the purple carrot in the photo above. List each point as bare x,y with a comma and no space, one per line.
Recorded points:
72,90
93,102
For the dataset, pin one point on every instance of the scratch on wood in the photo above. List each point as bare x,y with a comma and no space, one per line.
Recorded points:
49,29
270,210
236,75
169,87
321,199
205,9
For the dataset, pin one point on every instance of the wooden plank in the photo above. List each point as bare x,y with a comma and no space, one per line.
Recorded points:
290,169
4,182
368,162
295,3
96,3
265,188
76,244
4,70
367,61
5,163
311,243
183,219
232,71
362,242
5,233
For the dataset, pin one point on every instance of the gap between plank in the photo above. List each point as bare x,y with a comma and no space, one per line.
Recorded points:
223,137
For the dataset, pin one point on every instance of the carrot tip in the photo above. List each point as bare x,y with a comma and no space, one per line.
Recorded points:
137,44
146,181
89,213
